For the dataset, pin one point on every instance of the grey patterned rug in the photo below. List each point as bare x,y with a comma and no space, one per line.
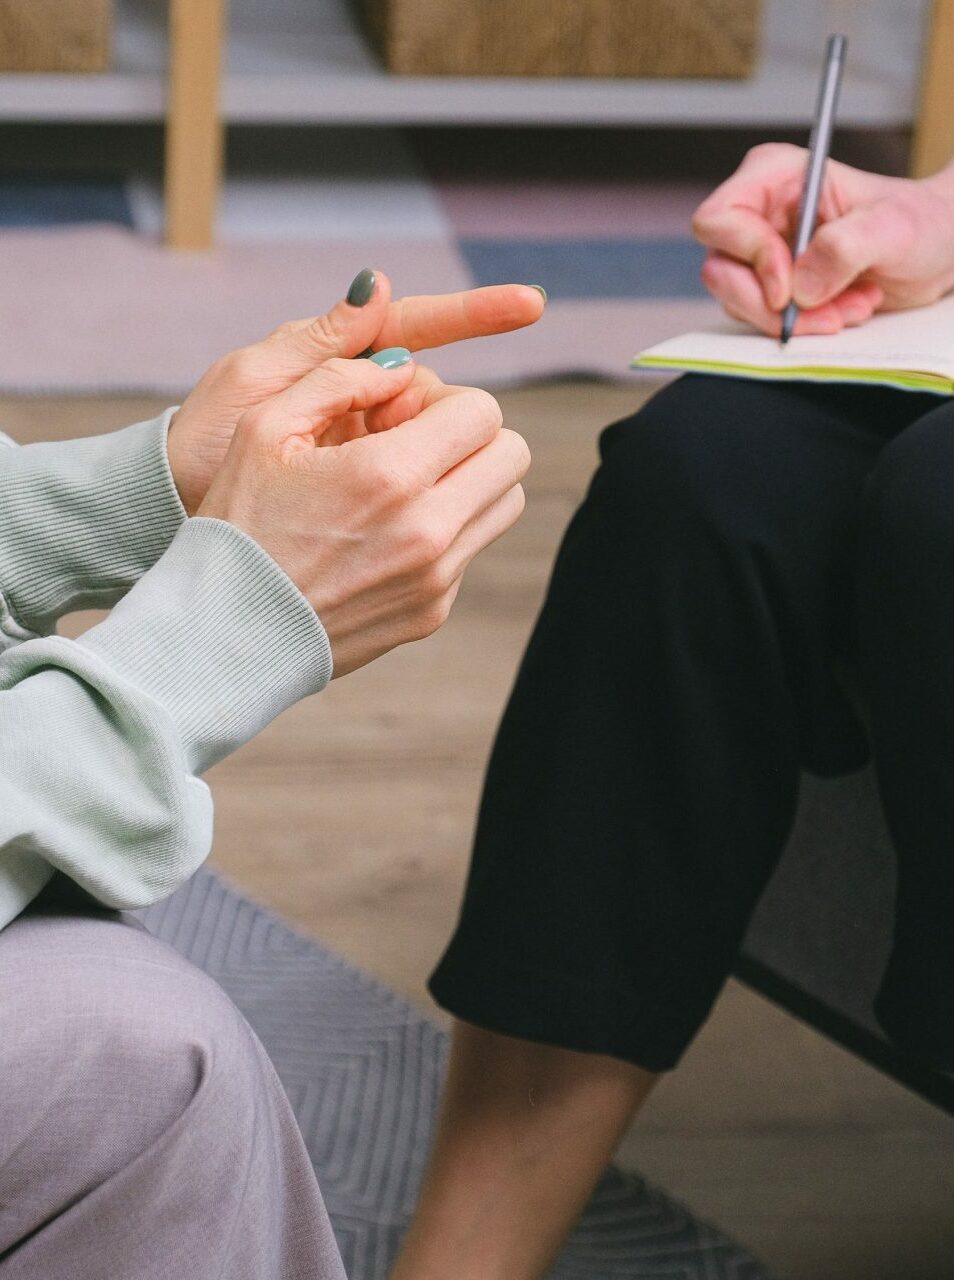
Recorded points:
363,1070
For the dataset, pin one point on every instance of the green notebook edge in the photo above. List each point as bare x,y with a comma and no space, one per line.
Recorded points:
934,383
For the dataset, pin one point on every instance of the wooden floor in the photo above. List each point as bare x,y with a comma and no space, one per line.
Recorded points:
352,817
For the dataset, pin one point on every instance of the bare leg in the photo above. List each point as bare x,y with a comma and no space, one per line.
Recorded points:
524,1134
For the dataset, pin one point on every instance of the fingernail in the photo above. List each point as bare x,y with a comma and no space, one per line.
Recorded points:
362,287
391,357
540,289
807,287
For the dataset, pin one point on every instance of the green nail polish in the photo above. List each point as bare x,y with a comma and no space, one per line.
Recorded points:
540,289
362,287
391,357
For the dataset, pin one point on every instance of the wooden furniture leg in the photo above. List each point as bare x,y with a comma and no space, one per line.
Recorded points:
934,132
194,130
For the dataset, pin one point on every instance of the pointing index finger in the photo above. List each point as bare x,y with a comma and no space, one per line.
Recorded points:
434,320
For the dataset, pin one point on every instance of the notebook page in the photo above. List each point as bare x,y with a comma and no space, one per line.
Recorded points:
920,340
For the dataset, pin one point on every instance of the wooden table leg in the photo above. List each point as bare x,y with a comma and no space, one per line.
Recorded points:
934,132
194,130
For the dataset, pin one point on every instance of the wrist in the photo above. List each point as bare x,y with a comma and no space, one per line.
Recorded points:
179,468
217,634
82,520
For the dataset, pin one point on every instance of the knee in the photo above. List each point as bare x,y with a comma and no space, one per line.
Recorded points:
135,1095
695,460
907,507
118,1038
173,1034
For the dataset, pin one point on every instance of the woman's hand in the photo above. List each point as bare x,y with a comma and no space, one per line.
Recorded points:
202,429
376,531
881,243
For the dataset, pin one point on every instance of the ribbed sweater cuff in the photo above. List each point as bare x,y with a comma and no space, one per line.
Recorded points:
82,520
219,635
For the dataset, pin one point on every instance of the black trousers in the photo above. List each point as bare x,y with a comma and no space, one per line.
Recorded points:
740,542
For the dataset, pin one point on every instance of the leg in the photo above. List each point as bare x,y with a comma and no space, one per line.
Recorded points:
508,1106
144,1134
906,611
642,785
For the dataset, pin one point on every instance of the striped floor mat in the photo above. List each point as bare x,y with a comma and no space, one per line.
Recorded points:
363,1070
93,302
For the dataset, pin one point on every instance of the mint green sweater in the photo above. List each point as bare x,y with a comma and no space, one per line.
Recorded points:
102,738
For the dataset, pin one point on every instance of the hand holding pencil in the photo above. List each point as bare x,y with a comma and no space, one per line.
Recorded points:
881,243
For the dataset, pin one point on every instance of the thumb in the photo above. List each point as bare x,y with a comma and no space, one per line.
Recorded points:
842,250
347,330
305,410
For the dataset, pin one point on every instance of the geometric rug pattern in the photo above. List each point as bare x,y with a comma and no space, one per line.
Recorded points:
363,1069
93,302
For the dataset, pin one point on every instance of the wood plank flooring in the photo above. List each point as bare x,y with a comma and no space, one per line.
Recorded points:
352,816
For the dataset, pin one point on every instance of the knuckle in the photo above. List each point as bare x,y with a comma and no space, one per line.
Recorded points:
433,582
522,457
761,151
226,369
432,617
325,332
252,424
240,364
402,315
835,243
218,370
426,542
513,456
700,219
484,409
772,151
386,483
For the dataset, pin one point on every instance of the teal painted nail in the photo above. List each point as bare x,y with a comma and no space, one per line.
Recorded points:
362,287
540,289
391,357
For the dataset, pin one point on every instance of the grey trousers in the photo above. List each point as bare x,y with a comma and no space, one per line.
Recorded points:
144,1134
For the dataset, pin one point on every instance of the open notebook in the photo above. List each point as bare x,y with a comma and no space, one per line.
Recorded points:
909,349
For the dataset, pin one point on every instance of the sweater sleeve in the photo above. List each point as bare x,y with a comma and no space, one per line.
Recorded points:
80,522
101,738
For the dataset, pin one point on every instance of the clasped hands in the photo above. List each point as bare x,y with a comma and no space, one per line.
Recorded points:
372,488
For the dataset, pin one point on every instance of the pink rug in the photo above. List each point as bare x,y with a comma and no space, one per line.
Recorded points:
102,308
